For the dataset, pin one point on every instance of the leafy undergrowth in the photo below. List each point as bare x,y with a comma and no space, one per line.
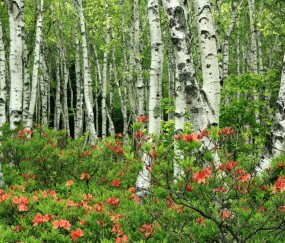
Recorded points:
59,189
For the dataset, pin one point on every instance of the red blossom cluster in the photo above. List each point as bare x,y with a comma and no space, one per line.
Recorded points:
229,166
147,229
226,214
279,185
116,147
39,218
62,223
24,133
200,177
113,201
85,176
228,131
200,220
75,234
139,134
115,183
142,119
85,153
22,202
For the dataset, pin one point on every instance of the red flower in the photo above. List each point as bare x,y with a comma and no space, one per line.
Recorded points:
83,176
228,166
62,223
113,201
280,164
132,189
147,228
200,220
69,183
190,137
139,134
142,119
85,153
38,219
225,214
76,234
244,178
279,185
188,188
122,239
178,137
115,183
228,131
200,177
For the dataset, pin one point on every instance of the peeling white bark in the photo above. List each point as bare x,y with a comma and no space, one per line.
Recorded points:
36,66
86,78
78,126
15,61
209,58
137,58
155,83
3,92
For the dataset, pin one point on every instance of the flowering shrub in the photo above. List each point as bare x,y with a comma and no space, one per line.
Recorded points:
61,190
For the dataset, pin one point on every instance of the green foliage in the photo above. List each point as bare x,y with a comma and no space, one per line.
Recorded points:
58,186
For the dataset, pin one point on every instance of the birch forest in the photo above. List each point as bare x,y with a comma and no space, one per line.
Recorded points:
142,121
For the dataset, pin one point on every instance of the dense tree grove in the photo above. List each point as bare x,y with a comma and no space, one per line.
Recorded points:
159,74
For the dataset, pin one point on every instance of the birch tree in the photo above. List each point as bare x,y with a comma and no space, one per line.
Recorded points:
15,11
78,126
275,143
86,77
139,84
3,94
104,74
155,92
36,66
209,58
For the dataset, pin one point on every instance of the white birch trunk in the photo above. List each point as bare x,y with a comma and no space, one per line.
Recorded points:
65,71
275,143
104,75
86,78
253,56
78,126
15,61
44,83
26,88
36,66
140,83
143,180
3,92
57,112
209,59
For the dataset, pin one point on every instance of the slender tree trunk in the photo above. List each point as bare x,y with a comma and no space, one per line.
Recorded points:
275,143
3,92
86,78
57,112
210,64
36,67
78,126
154,112
140,82
104,75
15,60
44,83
